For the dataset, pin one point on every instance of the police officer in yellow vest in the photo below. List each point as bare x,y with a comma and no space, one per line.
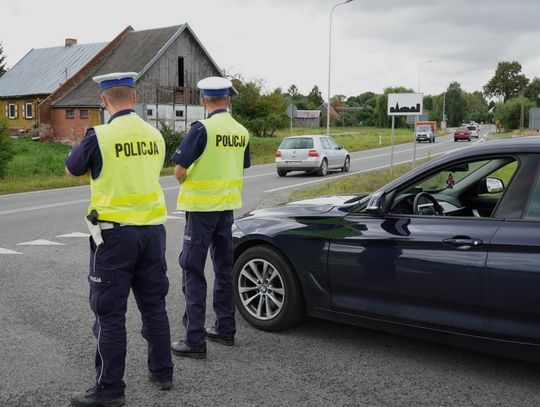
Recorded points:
210,165
127,206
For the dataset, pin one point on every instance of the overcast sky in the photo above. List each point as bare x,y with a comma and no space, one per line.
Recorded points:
376,43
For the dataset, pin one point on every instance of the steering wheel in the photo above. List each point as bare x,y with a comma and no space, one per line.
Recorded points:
432,207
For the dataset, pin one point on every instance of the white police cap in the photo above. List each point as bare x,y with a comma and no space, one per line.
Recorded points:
115,79
214,86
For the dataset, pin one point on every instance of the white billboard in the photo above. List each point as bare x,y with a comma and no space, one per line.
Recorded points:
405,104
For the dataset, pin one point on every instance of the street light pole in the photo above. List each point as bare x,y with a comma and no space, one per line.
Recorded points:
417,117
330,66
419,70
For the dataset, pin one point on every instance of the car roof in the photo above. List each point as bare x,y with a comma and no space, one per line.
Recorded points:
521,145
307,135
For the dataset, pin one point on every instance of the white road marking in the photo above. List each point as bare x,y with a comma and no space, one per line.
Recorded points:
342,175
7,251
175,217
34,208
75,234
40,242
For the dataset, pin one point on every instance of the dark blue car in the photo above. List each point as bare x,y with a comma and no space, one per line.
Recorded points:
448,252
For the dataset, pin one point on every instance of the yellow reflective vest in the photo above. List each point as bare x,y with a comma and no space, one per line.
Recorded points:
128,189
214,181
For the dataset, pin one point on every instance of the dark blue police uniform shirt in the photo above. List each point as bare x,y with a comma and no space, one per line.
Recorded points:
194,143
87,155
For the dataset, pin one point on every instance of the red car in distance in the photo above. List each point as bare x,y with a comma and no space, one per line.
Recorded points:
462,134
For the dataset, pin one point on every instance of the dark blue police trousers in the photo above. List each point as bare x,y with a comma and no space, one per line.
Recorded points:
205,230
132,257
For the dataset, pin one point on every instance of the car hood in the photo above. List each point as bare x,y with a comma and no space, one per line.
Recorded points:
307,207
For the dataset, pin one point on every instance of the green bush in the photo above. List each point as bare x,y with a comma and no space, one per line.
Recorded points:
509,113
172,139
7,148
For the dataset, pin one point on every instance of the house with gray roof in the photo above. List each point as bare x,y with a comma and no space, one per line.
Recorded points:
307,118
169,61
37,75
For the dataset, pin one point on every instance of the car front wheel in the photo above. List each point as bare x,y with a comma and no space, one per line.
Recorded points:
267,292
281,173
347,164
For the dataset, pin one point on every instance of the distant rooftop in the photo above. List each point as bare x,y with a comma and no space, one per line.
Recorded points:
42,71
307,114
134,53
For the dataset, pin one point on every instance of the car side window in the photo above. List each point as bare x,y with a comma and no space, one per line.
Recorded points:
325,143
532,212
333,144
471,188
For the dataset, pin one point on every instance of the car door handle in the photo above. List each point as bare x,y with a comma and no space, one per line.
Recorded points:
462,242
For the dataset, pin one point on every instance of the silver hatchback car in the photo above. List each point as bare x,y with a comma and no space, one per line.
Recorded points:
311,153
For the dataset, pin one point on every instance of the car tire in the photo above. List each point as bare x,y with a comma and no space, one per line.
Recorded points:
455,140
323,169
281,173
251,285
346,165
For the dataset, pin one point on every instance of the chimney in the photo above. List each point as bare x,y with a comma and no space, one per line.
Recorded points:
70,42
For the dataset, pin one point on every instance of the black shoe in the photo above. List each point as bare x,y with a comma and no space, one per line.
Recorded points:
160,384
213,336
89,398
181,349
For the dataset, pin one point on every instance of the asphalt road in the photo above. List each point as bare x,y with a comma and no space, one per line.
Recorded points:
47,349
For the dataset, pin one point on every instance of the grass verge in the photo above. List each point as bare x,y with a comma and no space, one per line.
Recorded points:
355,184
38,166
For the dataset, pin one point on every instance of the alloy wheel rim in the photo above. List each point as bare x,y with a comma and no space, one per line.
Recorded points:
261,289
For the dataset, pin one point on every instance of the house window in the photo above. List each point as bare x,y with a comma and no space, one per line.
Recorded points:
70,114
28,110
83,113
181,71
179,113
150,112
12,110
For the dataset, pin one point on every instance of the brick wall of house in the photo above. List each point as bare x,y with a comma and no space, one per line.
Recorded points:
70,128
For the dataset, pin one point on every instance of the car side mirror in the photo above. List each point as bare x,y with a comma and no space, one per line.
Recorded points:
377,203
494,185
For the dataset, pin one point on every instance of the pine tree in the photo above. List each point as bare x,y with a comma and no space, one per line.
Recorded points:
2,61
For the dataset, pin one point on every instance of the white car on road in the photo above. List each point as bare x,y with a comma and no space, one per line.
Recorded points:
311,153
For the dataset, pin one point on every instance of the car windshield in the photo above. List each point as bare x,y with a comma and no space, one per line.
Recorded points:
440,181
296,143
462,129
471,127
424,128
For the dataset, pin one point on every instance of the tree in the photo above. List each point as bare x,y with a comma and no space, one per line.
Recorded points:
338,100
507,82
456,104
262,113
315,98
360,100
477,107
428,103
532,91
293,91
3,57
7,147
509,113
